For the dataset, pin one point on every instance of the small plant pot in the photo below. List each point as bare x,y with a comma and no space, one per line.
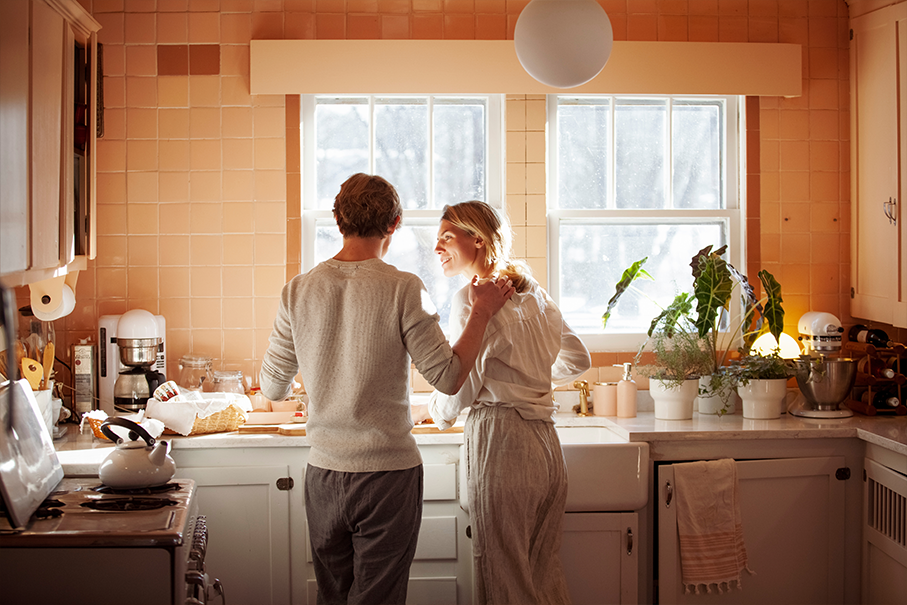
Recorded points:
722,402
763,399
674,401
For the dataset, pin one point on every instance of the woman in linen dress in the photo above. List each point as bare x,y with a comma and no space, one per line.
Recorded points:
516,475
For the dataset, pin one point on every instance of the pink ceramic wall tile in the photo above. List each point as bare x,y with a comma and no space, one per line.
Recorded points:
235,28
173,123
330,26
114,123
111,189
112,28
237,248
205,186
491,27
732,29
491,6
237,280
269,121
363,27
111,156
172,91
174,155
204,91
204,28
362,6
114,57
204,59
111,282
172,28
114,220
175,217
732,7
236,122
141,60
673,28
142,251
770,247
239,217
762,29
234,60
174,250
246,6
204,5
457,6
237,154
141,187
428,6
299,26
268,280
206,249
794,188
204,123
271,185
270,154
141,155
103,6
141,123
428,26
235,91
824,156
238,185
642,27
267,26
180,6
142,284
172,59
205,218
823,94
270,217
269,250
238,312
140,28
140,92
111,251
458,26
794,155
395,27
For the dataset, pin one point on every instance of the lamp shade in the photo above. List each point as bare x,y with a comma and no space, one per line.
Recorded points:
563,43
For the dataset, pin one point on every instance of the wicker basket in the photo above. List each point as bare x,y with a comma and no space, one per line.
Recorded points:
224,421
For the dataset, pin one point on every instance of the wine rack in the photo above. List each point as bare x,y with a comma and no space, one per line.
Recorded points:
894,357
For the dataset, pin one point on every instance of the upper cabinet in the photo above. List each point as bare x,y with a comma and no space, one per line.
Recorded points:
878,120
49,80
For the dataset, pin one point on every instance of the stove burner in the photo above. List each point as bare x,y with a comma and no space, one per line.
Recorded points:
138,491
128,504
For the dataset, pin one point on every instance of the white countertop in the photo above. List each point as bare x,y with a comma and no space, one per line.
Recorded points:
80,453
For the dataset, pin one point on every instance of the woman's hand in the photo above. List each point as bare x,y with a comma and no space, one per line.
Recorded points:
419,413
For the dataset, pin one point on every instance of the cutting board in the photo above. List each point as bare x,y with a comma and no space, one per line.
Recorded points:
298,430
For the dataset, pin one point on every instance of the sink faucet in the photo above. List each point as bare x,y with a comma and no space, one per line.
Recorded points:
583,387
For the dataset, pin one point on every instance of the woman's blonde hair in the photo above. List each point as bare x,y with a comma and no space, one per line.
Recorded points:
480,220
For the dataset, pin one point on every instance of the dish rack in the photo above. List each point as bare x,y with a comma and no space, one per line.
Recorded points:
870,383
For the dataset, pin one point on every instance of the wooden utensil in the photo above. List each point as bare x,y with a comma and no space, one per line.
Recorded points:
32,372
48,364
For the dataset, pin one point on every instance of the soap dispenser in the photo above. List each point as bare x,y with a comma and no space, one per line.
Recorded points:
626,394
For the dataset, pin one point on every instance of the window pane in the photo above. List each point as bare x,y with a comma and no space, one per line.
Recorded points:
696,143
459,153
640,129
341,133
401,148
583,153
412,250
593,257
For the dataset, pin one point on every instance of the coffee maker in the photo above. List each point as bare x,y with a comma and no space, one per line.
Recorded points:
132,360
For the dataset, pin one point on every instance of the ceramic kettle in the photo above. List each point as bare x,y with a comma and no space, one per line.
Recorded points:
134,463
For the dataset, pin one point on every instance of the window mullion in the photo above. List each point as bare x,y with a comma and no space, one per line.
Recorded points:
611,202
669,154
430,186
372,134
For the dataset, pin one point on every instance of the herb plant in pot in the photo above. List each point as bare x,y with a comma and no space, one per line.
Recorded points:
762,385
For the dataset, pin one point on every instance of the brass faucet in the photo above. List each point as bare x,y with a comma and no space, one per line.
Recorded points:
583,387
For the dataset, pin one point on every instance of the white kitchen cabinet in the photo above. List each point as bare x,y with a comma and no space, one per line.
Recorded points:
884,534
793,517
600,556
878,89
48,95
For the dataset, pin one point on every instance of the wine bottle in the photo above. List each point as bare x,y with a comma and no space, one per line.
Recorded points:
881,399
875,367
871,336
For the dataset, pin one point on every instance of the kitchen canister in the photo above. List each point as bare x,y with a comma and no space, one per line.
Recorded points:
604,399
195,373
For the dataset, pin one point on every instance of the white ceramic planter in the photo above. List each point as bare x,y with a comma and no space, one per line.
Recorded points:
723,402
763,399
674,403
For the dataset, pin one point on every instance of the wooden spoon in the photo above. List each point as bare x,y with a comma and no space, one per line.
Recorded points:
32,372
48,364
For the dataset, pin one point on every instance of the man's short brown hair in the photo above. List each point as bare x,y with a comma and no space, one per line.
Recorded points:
367,206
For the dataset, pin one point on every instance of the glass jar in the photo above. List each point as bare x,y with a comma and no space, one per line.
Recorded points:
229,381
195,372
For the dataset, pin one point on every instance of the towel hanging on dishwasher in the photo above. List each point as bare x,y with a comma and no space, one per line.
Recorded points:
709,525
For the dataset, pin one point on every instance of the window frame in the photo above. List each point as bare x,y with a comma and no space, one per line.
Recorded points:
732,215
310,214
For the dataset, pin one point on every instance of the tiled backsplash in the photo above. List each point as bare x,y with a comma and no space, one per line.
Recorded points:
198,180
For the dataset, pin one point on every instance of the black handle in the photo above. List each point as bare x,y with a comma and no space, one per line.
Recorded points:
135,430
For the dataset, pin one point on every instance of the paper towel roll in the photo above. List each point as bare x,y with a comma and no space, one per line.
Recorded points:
55,307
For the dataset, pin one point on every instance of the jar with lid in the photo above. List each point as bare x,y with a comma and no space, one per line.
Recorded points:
229,381
195,373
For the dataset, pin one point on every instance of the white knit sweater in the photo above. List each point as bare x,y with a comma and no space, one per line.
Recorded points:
350,330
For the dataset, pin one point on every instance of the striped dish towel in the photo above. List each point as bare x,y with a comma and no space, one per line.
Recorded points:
709,526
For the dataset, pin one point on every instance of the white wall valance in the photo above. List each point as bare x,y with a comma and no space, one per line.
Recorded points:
491,66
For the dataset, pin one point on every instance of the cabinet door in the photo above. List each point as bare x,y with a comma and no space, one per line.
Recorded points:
877,81
793,528
248,530
599,553
884,535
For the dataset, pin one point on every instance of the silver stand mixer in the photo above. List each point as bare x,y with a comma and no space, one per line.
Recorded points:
825,381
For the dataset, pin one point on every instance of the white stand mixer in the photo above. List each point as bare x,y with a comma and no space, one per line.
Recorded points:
824,381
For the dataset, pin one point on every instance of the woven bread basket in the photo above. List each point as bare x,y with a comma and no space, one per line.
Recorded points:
224,421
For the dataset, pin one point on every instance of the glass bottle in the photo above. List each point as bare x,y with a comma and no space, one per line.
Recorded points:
875,367
881,399
228,381
872,336
195,373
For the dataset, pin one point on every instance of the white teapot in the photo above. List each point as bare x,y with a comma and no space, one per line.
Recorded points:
134,464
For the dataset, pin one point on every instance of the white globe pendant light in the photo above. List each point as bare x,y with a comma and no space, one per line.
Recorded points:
563,43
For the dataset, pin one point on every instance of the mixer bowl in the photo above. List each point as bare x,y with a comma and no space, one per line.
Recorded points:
825,382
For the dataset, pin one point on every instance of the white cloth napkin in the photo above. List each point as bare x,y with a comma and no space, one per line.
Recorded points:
179,413
709,526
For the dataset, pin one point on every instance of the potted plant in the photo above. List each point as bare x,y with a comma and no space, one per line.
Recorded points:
762,384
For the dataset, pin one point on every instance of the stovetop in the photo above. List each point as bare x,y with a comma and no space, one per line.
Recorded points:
84,512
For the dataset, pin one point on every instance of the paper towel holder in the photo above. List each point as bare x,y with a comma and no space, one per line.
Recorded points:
54,298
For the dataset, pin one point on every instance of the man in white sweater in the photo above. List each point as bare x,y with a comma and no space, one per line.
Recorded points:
350,327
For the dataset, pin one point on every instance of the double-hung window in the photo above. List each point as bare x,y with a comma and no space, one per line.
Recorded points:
634,177
435,150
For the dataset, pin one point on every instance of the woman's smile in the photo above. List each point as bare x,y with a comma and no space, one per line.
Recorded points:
457,250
